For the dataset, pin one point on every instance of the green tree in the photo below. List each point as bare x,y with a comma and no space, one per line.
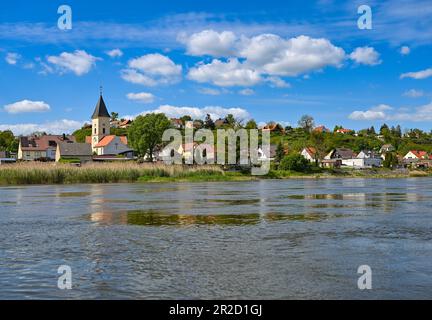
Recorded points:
145,133
209,123
280,152
251,124
114,116
186,118
231,121
8,142
391,160
294,162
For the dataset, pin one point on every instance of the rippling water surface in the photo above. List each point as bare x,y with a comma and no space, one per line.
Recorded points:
256,240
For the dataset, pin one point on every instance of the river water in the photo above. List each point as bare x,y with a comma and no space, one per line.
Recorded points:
269,239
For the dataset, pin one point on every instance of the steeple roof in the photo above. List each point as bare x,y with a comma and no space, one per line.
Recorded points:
101,109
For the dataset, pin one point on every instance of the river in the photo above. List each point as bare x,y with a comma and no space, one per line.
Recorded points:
267,239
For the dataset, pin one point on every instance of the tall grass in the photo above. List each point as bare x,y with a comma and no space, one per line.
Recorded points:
50,173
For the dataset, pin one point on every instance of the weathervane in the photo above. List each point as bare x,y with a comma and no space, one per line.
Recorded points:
101,89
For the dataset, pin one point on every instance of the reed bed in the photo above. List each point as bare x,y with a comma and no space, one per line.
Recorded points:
56,173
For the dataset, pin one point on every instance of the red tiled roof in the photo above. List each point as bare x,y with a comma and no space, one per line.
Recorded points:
311,151
108,139
419,154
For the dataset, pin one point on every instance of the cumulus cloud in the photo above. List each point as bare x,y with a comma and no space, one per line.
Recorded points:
210,42
252,60
404,50
12,58
151,70
274,55
198,113
52,127
79,62
375,113
143,97
25,106
413,93
385,112
115,53
423,74
225,74
366,56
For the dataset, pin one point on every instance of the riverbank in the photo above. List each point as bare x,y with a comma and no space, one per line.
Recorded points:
54,173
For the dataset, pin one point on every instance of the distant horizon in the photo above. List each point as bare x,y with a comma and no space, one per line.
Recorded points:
266,61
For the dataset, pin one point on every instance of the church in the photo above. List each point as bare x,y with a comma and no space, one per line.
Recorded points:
101,145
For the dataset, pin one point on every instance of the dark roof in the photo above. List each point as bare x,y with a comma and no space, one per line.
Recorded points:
75,149
101,109
42,143
343,153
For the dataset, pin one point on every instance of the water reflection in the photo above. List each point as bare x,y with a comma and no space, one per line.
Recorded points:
157,218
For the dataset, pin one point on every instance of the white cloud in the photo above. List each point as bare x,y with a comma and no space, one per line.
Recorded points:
78,62
423,74
225,74
209,91
250,61
413,93
115,53
12,58
143,97
246,92
366,56
384,112
274,55
210,42
404,50
52,127
26,106
277,82
198,113
151,70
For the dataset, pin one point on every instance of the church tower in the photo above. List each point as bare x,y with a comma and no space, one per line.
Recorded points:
100,122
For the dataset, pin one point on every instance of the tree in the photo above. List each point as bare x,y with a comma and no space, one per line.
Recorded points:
307,123
231,121
114,116
295,162
8,142
391,160
384,130
280,152
251,124
209,123
145,133
318,142
186,118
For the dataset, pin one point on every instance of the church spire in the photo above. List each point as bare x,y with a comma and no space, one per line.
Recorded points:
101,110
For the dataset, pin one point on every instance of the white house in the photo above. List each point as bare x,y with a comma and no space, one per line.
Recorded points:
365,159
113,145
309,154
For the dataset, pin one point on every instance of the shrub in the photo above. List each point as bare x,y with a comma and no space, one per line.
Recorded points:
295,162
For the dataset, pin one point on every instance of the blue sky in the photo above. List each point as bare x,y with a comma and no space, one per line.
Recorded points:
267,60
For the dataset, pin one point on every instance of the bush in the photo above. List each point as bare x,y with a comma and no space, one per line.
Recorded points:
295,162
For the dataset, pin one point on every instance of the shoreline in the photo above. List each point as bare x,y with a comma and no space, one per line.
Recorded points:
27,174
